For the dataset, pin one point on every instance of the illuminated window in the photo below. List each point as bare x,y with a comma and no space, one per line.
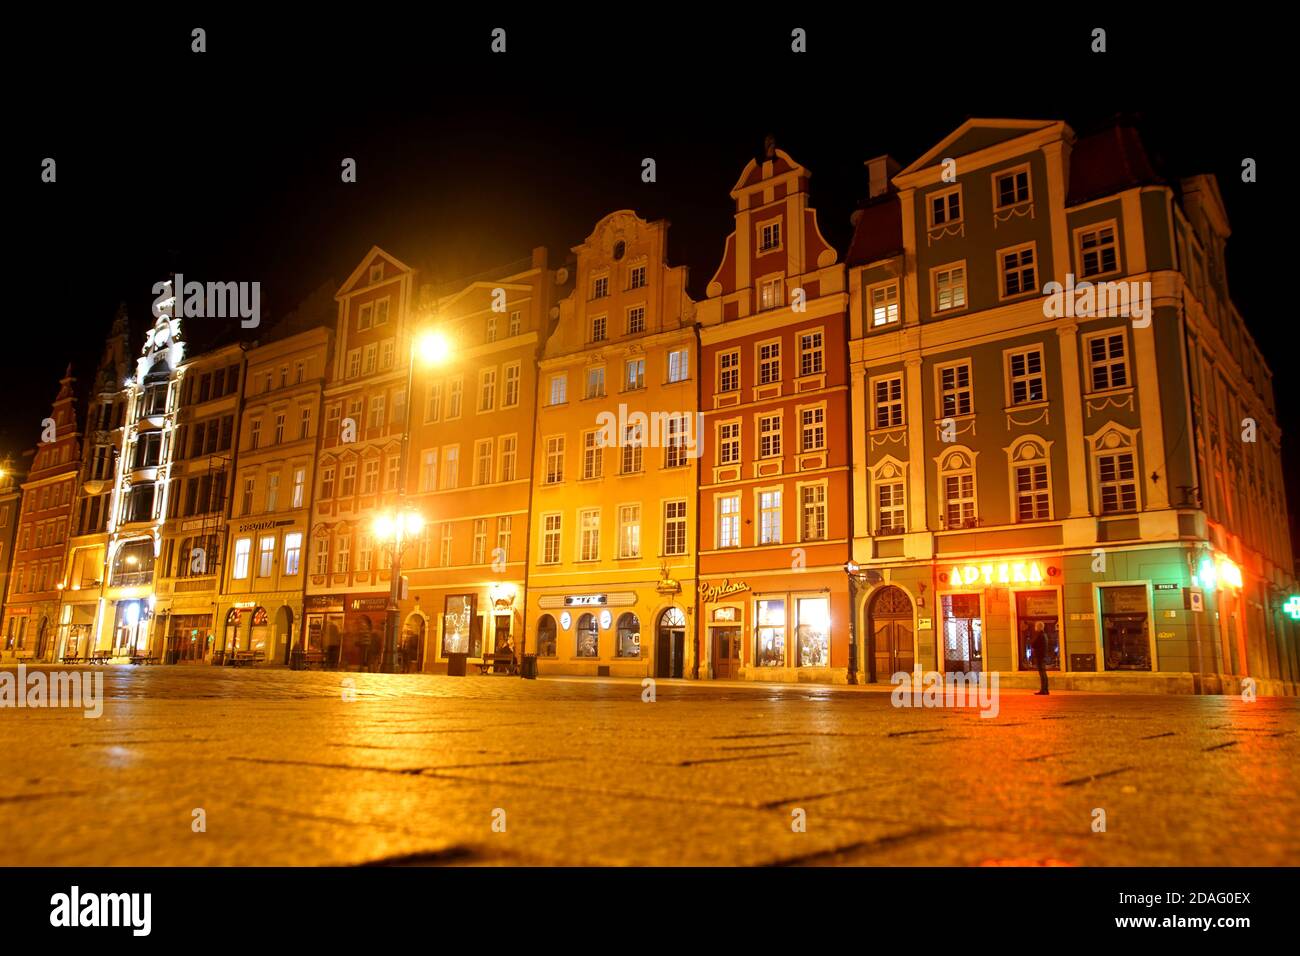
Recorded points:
634,374
769,512
265,555
884,305
769,436
812,353
949,287
729,371
812,508
679,365
243,549
595,387
729,443
592,455
812,429
769,635
769,294
589,534
551,539
629,531
555,459
812,632
674,527
729,521
890,512
292,551
629,636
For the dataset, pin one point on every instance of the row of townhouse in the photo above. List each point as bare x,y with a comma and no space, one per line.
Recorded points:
915,456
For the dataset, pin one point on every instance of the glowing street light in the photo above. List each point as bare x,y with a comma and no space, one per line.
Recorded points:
433,348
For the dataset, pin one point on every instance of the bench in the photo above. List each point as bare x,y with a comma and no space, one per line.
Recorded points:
100,657
490,659
139,659
244,658
72,658
302,660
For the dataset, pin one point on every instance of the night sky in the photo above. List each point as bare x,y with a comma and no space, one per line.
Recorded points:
225,165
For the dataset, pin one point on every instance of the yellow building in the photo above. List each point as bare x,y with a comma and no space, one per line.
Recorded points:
612,548
188,576
261,605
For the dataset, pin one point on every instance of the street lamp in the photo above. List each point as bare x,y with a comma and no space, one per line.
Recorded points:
433,348
856,577
396,529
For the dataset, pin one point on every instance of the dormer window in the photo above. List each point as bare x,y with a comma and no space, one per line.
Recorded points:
769,236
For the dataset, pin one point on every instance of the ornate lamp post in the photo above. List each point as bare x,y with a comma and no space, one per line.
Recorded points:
396,529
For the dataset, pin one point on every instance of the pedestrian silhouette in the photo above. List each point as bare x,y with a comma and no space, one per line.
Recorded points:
1038,647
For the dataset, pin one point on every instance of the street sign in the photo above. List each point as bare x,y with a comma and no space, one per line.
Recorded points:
1194,600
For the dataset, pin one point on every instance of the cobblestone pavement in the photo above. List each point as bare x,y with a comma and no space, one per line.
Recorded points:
417,768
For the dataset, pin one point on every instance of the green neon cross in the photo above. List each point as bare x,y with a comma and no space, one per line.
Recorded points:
1292,607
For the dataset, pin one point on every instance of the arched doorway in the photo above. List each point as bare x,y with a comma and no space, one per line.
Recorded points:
588,636
259,634
892,634
283,629
230,634
413,644
546,636
670,643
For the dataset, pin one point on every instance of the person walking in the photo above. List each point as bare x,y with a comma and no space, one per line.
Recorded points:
1038,646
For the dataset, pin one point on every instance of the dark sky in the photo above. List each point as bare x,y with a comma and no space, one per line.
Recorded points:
225,165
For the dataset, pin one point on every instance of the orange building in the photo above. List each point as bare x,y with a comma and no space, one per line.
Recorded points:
31,611
774,479
469,466
614,490
347,590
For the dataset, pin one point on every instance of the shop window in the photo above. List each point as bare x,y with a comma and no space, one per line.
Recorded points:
1036,613
629,636
769,650
588,636
546,636
963,639
1124,628
812,631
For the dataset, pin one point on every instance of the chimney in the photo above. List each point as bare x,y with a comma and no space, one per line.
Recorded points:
879,172
539,257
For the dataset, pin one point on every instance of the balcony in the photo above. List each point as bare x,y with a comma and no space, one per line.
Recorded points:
130,579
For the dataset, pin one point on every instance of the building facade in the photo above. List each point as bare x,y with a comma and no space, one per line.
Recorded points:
348,588
469,467
31,612
1039,456
611,577
141,484
774,478
11,502
87,551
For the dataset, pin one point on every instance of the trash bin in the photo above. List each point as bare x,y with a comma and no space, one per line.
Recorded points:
456,665
529,671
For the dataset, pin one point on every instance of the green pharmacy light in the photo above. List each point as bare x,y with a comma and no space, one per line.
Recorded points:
1292,607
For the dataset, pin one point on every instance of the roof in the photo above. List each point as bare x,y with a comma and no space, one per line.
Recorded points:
1107,162
878,232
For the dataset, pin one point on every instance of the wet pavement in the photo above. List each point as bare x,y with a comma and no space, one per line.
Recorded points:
280,768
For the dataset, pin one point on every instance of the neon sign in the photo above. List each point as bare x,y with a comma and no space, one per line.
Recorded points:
1292,607
1005,572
